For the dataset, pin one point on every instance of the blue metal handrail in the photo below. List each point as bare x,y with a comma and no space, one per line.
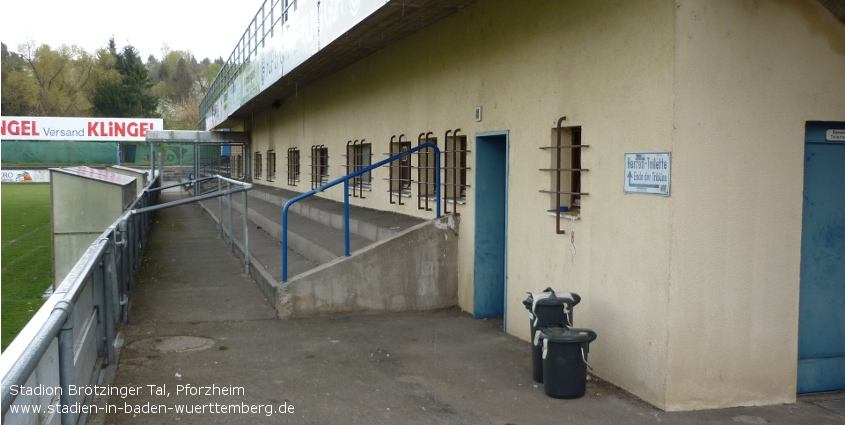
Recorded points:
345,180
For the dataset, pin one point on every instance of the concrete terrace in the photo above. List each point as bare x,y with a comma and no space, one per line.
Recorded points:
196,319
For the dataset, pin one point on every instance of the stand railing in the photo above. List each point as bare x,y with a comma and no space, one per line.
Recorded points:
345,180
70,340
229,191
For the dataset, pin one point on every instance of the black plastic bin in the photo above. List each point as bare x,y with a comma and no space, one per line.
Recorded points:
549,312
565,353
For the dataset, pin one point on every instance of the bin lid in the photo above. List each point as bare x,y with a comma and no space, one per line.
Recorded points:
533,297
552,301
568,335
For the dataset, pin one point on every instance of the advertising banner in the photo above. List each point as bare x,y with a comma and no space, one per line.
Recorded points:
26,176
78,129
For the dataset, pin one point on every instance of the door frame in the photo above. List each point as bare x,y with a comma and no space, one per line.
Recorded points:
491,135
816,368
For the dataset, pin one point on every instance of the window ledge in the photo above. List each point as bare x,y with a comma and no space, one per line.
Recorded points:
403,194
569,215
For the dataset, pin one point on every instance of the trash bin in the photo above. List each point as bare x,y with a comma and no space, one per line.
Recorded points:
565,354
546,310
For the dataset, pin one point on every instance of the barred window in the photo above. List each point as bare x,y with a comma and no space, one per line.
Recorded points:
359,155
319,166
565,173
256,163
455,171
293,166
271,165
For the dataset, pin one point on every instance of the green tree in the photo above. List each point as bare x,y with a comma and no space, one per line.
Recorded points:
19,90
63,80
183,81
131,96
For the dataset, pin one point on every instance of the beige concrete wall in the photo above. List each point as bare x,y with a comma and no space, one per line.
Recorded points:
608,67
748,75
694,296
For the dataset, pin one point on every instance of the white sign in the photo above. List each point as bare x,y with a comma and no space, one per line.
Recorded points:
835,135
78,129
26,176
648,173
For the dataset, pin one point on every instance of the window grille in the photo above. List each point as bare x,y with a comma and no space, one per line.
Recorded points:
565,172
426,172
359,155
400,170
455,170
319,166
257,165
271,165
293,166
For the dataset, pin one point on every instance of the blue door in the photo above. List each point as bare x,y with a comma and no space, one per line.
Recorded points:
821,324
491,196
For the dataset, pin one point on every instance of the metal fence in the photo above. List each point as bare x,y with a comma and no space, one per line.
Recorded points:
70,340
270,17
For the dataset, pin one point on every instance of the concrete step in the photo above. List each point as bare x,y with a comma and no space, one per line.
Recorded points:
264,247
405,264
312,239
371,224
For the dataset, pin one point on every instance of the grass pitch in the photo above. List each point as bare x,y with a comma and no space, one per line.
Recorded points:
26,259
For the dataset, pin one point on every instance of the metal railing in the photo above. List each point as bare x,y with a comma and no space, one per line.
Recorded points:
91,299
81,315
345,180
272,12
229,191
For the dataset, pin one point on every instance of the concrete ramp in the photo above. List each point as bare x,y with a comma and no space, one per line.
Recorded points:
413,270
398,263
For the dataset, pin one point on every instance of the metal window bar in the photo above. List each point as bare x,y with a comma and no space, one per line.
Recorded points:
257,164
364,159
456,169
424,177
319,165
559,170
400,174
350,162
359,155
345,180
293,166
271,165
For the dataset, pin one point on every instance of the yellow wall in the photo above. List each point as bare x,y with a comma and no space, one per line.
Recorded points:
748,74
689,294
607,66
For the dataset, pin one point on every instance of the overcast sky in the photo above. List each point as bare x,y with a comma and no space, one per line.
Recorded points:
208,28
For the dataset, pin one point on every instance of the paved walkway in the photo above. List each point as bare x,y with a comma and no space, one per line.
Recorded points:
198,321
